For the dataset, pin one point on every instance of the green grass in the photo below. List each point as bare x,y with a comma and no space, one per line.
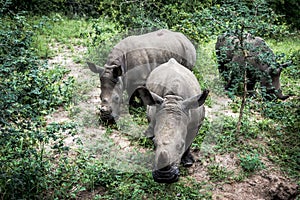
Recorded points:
286,45
69,32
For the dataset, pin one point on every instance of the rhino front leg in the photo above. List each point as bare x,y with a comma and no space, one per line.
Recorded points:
250,87
187,159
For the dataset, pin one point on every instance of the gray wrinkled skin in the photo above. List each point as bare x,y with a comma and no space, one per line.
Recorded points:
263,70
131,61
176,112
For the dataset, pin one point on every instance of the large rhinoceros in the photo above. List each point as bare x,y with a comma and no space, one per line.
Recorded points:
260,59
131,61
175,110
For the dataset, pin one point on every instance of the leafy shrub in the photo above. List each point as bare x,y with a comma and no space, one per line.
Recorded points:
29,90
105,35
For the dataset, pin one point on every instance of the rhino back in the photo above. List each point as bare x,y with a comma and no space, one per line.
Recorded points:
153,48
255,46
259,50
139,55
173,78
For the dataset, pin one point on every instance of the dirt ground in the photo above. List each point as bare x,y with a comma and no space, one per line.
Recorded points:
267,184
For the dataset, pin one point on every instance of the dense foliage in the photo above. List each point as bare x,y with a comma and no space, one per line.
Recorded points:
136,14
45,7
29,90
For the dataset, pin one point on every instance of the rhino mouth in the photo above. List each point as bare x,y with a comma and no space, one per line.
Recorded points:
273,94
169,174
107,118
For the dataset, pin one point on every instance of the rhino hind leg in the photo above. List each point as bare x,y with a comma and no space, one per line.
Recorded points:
187,159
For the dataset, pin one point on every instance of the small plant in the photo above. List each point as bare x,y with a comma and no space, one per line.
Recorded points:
250,162
203,132
218,173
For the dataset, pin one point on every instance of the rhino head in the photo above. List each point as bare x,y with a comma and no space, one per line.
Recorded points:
111,91
170,126
273,87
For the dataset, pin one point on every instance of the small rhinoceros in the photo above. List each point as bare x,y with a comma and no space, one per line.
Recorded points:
260,60
131,61
175,111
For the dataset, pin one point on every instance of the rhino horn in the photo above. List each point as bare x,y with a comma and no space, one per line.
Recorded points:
163,159
282,97
148,98
195,101
287,64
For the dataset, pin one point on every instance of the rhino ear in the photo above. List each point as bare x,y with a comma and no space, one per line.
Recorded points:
274,72
195,101
278,71
148,98
94,68
117,71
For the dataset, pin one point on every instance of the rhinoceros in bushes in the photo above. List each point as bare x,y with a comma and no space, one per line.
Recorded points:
261,64
130,62
175,111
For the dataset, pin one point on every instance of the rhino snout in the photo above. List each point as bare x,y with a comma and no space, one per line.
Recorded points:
106,114
165,172
169,174
273,94
105,109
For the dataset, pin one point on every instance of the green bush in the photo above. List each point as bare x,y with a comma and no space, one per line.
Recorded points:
29,90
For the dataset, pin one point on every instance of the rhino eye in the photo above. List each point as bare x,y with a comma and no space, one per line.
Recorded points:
116,99
179,146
